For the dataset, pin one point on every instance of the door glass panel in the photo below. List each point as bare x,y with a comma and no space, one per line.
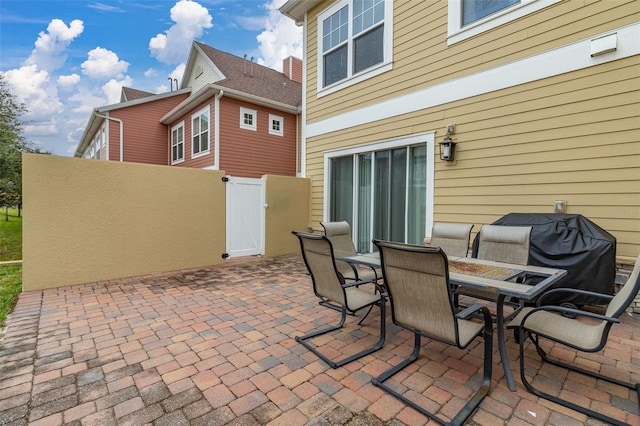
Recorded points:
417,193
381,196
397,195
364,203
341,202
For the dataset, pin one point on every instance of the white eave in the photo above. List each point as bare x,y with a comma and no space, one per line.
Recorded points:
296,9
210,90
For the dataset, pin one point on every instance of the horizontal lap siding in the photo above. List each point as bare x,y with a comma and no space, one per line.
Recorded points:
248,153
145,137
421,57
573,137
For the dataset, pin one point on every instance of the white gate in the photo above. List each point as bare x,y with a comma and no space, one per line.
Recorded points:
245,216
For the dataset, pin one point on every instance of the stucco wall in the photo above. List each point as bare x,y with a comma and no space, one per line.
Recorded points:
288,209
87,220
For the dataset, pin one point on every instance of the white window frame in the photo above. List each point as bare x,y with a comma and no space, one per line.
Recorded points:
204,111
277,132
254,114
351,79
456,32
179,160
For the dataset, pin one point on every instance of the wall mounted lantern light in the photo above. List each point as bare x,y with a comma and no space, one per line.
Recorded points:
448,146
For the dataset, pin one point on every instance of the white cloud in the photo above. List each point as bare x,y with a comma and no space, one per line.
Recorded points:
150,73
68,81
50,45
103,63
32,87
113,89
191,19
280,39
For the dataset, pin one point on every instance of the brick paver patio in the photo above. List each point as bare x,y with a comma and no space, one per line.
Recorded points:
215,346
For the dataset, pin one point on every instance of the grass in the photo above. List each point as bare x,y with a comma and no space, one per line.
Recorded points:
10,236
10,275
10,287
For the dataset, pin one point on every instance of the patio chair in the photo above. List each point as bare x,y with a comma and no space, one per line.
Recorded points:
508,244
329,285
453,238
417,280
339,233
548,322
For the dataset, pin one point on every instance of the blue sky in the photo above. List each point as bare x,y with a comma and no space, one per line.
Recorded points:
63,58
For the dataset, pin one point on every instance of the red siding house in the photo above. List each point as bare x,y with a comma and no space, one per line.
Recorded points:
229,114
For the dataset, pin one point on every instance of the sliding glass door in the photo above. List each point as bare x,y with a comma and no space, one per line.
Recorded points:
381,193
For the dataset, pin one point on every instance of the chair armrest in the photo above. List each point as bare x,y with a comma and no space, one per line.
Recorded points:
562,309
468,312
572,291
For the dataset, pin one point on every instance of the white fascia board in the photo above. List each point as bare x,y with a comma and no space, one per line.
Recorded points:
568,58
140,101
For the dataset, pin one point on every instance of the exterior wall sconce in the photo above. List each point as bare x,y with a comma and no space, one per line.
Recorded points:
448,146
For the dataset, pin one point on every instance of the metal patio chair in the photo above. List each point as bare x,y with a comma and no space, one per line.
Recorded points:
329,285
339,233
570,329
453,238
508,244
417,280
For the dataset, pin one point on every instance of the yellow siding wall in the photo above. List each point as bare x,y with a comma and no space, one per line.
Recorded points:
573,136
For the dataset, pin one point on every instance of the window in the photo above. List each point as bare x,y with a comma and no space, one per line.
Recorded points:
248,119
382,193
473,10
200,133
177,143
468,18
276,125
354,40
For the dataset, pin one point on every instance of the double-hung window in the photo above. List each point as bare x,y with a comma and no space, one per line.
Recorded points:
200,132
177,143
354,41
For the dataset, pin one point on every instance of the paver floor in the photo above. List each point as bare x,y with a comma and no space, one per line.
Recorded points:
215,346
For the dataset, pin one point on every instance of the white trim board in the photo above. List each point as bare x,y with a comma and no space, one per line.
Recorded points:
571,57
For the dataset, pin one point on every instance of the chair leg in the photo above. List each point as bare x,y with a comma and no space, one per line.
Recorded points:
470,406
336,364
524,334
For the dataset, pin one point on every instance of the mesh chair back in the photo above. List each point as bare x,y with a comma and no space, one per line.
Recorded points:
339,233
318,256
508,244
417,280
453,238
627,293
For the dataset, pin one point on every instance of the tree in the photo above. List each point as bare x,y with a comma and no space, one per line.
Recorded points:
12,145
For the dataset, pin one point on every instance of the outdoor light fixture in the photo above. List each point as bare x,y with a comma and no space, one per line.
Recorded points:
448,146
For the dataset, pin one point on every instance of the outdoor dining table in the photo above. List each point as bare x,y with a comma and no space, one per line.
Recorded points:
495,277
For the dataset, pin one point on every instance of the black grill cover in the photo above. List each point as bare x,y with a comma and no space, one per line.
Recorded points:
571,242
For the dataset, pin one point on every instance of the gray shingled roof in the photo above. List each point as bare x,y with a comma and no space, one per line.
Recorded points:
130,94
263,82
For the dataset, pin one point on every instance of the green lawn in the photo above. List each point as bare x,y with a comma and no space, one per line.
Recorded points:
10,235
10,249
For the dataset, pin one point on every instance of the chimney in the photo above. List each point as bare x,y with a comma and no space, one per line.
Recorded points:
252,66
292,68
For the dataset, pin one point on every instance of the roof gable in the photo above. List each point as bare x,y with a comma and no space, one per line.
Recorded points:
251,78
131,94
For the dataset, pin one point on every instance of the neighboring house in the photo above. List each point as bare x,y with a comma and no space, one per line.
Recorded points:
130,130
241,117
229,114
543,99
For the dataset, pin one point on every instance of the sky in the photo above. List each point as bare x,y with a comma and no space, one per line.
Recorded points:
63,58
